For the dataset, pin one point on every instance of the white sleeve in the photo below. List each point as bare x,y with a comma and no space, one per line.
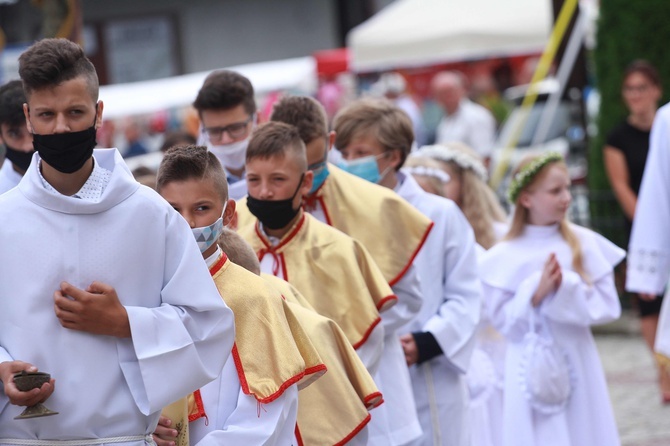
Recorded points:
252,423
5,356
408,292
510,312
370,352
649,248
578,303
179,342
455,323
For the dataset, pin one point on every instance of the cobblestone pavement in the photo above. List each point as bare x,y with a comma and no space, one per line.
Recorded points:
631,377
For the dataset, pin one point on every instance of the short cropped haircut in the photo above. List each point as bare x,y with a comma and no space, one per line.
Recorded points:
305,113
379,118
183,163
50,62
12,99
276,140
239,251
223,90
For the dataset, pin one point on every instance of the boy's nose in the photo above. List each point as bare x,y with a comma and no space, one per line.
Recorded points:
62,125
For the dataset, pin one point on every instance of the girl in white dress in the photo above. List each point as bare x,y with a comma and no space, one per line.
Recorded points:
457,172
548,281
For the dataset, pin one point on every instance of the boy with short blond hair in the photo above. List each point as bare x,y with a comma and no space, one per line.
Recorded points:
192,180
439,341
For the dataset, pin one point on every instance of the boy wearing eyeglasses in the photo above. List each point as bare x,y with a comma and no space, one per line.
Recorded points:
228,115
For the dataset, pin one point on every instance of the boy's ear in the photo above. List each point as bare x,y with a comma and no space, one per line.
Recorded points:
307,182
26,113
98,120
230,213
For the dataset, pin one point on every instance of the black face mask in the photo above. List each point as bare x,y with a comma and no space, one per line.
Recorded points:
66,152
19,158
274,214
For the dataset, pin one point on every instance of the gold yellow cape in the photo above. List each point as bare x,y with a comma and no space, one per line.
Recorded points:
334,272
343,396
388,226
271,349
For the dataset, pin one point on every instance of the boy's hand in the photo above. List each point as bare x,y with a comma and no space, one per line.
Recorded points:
95,310
409,348
551,279
164,435
16,397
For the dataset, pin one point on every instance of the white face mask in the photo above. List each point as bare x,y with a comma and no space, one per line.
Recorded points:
206,236
232,155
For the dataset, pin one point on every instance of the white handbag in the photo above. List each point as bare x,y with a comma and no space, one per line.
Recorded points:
547,378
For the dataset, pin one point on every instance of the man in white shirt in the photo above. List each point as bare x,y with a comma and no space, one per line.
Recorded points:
464,121
102,283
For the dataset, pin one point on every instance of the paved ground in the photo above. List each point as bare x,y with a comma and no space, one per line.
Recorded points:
642,419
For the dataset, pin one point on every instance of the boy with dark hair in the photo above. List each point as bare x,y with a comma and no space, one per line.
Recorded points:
266,361
14,135
124,268
227,110
391,229
334,272
374,138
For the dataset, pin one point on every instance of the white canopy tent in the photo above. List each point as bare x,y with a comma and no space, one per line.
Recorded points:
137,98
411,33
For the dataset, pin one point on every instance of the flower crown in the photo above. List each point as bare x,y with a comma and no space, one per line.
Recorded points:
428,172
446,154
527,173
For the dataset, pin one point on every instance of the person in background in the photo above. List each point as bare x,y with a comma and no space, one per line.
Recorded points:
463,121
393,87
625,156
14,135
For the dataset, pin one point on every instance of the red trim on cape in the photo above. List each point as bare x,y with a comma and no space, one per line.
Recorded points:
201,408
218,265
382,303
367,333
286,238
288,383
354,432
411,259
372,397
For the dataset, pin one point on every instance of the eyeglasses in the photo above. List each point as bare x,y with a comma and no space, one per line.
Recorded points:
641,88
235,130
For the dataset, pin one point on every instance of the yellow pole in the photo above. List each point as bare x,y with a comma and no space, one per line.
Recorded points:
558,32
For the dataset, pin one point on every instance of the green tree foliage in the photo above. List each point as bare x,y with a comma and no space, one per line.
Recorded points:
627,30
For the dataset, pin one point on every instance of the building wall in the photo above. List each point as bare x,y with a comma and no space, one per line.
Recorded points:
213,34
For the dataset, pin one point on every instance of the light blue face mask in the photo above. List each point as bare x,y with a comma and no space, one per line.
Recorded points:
321,172
206,236
365,167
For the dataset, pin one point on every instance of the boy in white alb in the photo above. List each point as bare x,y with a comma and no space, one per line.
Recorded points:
124,314
375,136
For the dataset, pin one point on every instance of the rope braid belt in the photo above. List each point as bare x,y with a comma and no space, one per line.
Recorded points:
148,439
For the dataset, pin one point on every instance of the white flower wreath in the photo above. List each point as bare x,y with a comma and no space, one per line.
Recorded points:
447,154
